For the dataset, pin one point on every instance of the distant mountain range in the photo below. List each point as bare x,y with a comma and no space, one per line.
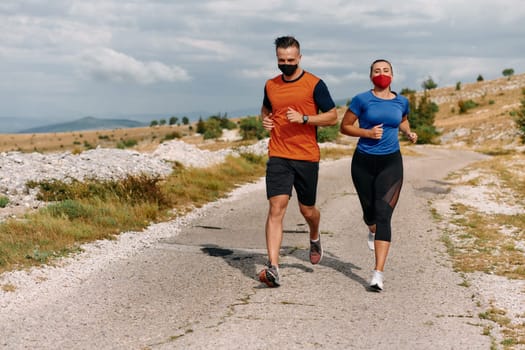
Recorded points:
86,123
39,125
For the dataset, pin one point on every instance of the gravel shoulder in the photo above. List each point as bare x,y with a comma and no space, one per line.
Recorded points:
190,283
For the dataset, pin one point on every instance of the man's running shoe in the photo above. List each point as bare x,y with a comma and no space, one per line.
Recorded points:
376,284
316,251
371,239
270,275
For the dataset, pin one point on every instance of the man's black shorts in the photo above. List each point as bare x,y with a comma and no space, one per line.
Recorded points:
283,174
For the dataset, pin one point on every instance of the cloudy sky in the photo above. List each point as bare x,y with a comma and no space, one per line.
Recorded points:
107,58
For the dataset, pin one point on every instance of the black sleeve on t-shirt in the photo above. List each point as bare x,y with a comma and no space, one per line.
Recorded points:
322,97
266,101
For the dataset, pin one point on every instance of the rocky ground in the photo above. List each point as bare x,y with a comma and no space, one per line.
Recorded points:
17,168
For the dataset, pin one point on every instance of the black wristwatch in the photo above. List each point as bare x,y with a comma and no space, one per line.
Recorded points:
305,119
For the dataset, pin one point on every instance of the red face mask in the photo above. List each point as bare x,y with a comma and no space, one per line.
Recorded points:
382,81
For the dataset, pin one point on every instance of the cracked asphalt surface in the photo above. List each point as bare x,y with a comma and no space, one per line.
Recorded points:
197,288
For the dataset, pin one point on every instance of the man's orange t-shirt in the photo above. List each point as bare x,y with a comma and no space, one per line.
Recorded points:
292,140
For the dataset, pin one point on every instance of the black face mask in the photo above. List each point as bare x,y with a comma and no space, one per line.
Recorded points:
288,69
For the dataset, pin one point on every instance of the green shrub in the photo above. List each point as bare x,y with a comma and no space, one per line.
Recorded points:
4,201
171,136
327,133
70,209
132,189
464,106
421,117
212,129
224,121
251,128
126,143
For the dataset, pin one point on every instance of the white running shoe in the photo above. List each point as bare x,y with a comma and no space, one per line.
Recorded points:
376,284
371,239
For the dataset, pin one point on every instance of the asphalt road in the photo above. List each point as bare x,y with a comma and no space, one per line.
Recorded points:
197,289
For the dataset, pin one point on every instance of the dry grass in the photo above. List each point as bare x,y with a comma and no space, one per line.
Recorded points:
483,215
87,211
147,138
488,126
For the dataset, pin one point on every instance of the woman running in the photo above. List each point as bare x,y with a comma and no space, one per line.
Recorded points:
377,166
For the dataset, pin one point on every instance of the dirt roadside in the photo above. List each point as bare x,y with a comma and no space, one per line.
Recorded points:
190,285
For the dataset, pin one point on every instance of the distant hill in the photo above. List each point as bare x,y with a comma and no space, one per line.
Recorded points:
86,123
12,125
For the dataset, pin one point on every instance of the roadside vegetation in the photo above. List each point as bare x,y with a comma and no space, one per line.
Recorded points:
490,236
482,219
486,233
81,212
422,116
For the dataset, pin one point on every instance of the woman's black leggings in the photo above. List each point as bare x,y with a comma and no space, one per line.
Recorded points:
378,180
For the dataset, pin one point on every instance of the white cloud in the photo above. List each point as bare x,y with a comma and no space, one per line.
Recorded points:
222,49
218,49
108,64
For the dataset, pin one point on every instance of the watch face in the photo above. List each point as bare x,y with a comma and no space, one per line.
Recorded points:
305,119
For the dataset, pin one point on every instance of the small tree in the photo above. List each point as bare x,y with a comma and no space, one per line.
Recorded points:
429,84
201,126
162,122
407,91
173,120
185,120
224,121
421,116
508,72
479,78
458,86
154,123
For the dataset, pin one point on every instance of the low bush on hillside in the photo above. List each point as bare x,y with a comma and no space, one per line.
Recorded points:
464,106
4,201
213,129
122,144
172,136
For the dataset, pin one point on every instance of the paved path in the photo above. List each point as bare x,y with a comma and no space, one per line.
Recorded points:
197,289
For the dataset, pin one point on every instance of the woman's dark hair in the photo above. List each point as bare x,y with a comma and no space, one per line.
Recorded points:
381,60
285,42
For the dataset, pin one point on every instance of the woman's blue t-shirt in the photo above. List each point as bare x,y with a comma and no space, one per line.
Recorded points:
371,111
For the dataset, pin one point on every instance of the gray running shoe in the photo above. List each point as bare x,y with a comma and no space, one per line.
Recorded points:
316,251
270,275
